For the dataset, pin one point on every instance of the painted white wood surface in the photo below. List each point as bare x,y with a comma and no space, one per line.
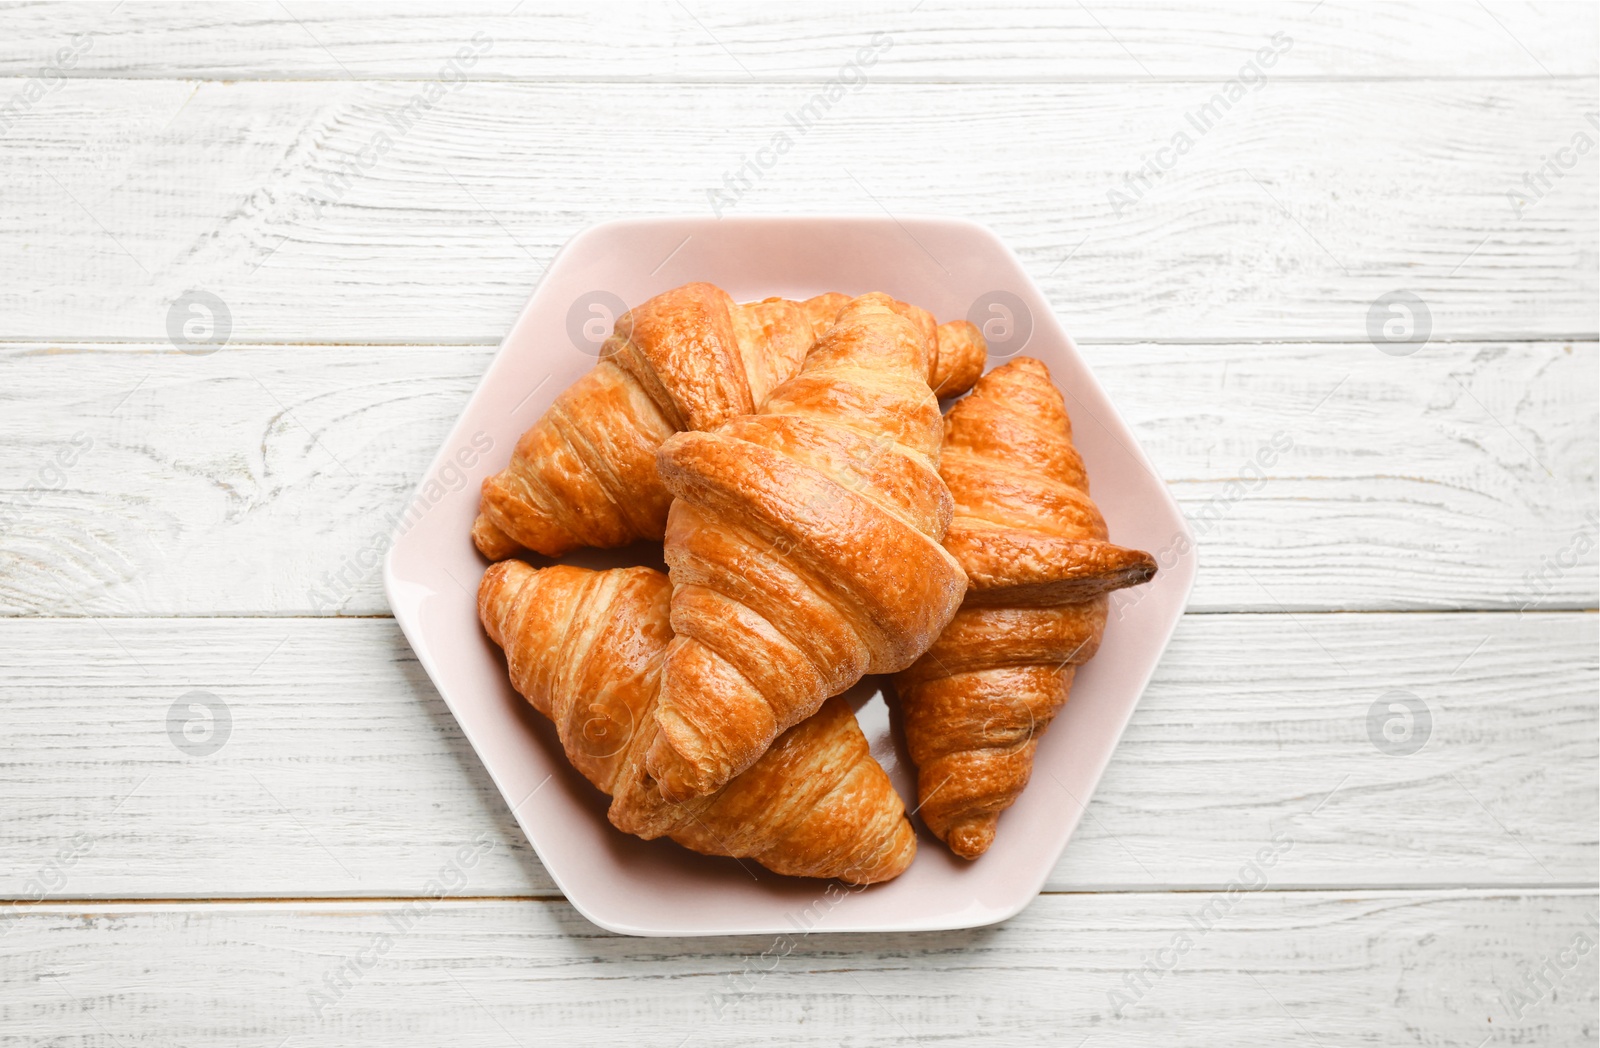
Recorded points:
342,772
315,219
1412,482
191,147
932,40
1280,968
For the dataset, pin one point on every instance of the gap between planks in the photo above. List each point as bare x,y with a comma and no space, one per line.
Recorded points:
90,902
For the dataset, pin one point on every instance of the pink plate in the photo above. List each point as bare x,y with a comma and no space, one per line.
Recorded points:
952,267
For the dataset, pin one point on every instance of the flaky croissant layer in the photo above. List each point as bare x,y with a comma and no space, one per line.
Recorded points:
586,648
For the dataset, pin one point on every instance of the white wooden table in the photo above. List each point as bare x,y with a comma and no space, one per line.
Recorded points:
174,522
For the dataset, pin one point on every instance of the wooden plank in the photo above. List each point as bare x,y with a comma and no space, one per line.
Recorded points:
759,42
308,211
1283,968
261,480
341,773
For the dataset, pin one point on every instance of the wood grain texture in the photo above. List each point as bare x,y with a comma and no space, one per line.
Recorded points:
261,480
342,773
1295,968
314,217
1226,303
773,42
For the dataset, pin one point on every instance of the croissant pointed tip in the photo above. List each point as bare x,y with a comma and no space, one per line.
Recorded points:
493,543
491,590
535,527
1127,567
971,837
673,775
963,351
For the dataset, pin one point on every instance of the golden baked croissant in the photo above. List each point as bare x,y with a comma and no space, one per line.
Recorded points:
586,647
584,474
1038,565
803,544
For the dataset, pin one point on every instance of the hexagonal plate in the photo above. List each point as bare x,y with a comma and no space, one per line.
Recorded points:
948,266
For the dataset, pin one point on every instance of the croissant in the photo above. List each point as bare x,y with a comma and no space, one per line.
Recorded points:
584,474
1038,565
586,647
803,545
